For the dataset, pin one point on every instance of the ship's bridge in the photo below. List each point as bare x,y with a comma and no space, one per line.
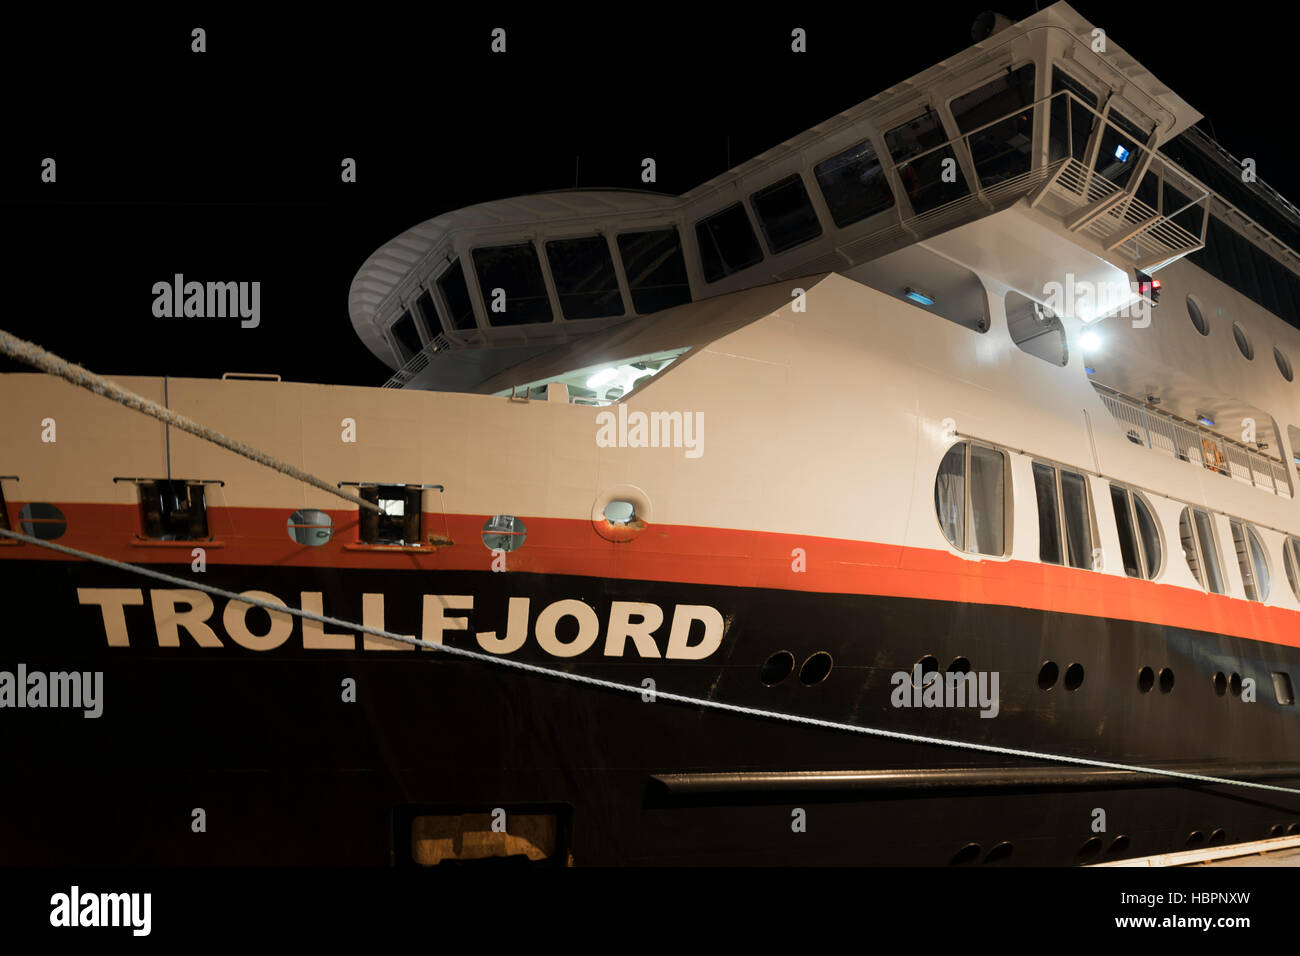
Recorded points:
1031,114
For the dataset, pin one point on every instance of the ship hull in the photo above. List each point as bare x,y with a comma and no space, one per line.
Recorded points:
288,768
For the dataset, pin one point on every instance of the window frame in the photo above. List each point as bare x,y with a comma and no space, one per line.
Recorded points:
1248,532
1204,581
1144,560
1062,526
967,523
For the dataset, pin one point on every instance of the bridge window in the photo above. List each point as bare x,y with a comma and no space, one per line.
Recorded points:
1072,139
970,498
406,335
923,176
1002,150
655,268
1251,560
424,306
1064,516
1035,329
399,517
1196,530
1139,535
786,214
173,510
515,271
583,271
727,243
1122,143
455,293
853,184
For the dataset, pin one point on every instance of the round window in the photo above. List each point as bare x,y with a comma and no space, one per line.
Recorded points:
1198,319
43,521
310,527
503,533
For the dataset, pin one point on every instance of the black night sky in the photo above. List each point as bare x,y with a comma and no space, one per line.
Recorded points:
225,165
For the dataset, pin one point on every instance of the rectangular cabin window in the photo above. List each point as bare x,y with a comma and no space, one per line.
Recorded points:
1049,530
1139,538
455,293
583,271
1071,121
172,510
406,335
399,520
424,305
1070,523
727,243
1000,151
786,214
970,498
510,279
655,269
853,184
922,177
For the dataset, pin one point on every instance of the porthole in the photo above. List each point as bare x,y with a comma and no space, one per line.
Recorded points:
1283,364
1047,675
1198,319
504,533
1218,836
1195,839
1293,829
959,665
816,668
1073,676
967,854
310,527
1277,830
929,664
1089,850
1166,680
1146,679
1220,684
1000,852
1243,341
1234,684
1119,845
43,521
776,668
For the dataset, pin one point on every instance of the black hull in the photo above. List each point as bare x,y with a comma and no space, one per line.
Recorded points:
288,773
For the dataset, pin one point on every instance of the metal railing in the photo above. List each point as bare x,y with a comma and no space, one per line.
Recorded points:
1144,424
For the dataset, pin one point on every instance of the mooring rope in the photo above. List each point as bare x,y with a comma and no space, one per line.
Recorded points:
31,354
655,695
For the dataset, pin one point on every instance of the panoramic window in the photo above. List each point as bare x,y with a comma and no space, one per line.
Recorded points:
583,271
1291,561
1035,329
1201,549
1071,122
1251,560
727,243
1243,341
655,268
407,338
970,498
1197,317
785,214
853,184
1139,535
455,293
1283,364
1000,151
516,272
398,519
1064,516
172,510
922,176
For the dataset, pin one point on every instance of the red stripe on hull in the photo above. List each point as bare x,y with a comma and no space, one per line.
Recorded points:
677,553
